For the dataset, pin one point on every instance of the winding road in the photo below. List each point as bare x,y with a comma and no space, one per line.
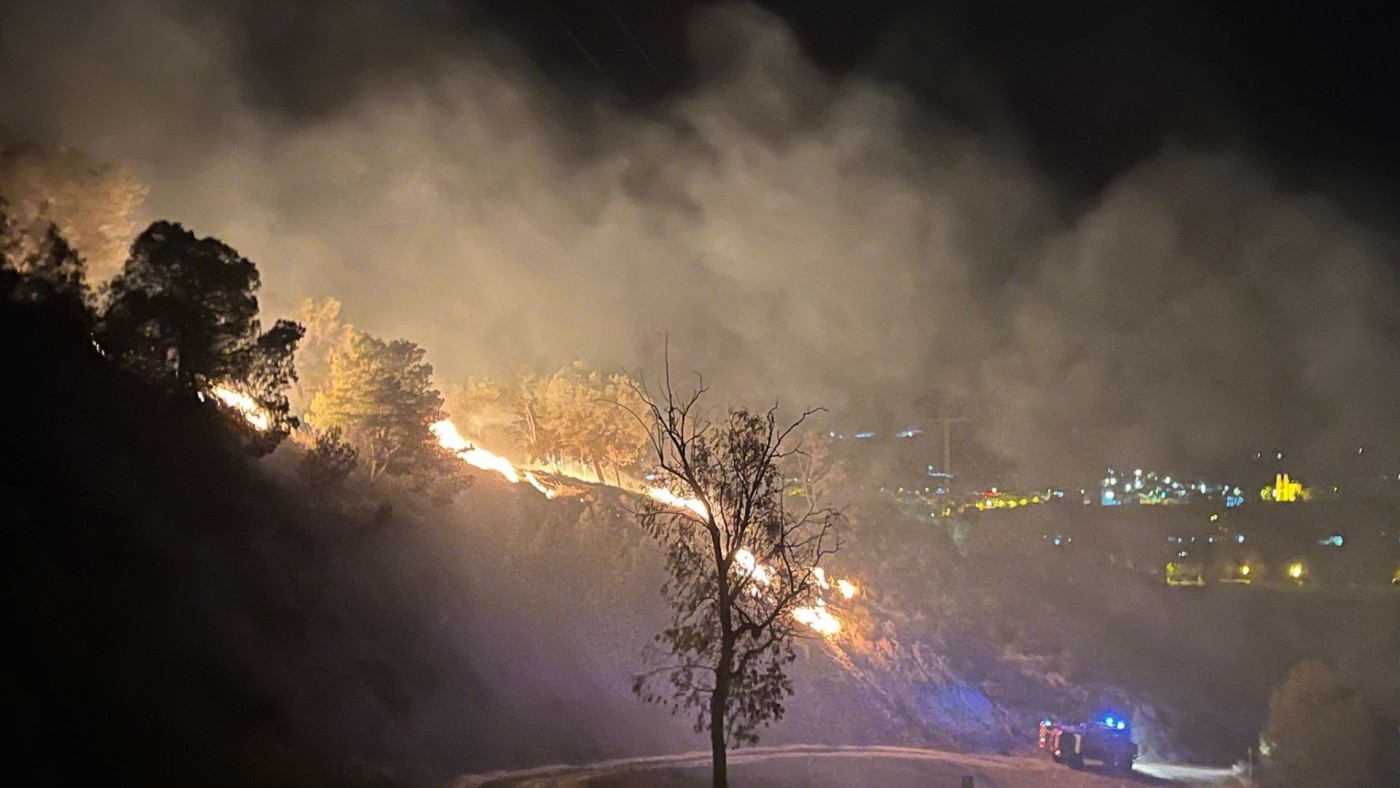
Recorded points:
826,765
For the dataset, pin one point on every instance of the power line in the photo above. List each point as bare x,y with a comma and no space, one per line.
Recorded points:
947,422
635,43
581,48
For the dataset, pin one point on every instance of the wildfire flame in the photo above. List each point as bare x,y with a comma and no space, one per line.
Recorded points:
761,579
818,618
547,492
449,438
247,407
815,615
671,499
757,572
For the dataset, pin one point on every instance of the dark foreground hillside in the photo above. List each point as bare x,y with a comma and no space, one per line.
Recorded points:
165,605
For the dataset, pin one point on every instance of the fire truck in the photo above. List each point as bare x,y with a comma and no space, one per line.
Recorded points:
1108,739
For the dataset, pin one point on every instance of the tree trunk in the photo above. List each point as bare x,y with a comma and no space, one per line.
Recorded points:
719,756
719,699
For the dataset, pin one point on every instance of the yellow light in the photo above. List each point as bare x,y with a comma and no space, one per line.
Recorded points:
1295,571
1244,569
1285,489
1214,517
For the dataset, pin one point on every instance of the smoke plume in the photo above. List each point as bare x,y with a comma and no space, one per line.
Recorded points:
797,235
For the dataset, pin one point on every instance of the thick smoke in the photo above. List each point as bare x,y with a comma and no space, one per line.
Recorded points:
797,236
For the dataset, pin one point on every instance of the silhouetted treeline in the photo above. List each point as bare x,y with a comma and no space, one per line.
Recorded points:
163,600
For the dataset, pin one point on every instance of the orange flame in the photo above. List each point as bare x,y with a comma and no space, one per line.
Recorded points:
671,499
818,618
244,405
547,492
449,438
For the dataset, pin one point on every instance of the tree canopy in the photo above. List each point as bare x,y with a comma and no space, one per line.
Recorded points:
575,416
1323,732
327,462
182,307
326,334
740,567
183,313
41,264
380,396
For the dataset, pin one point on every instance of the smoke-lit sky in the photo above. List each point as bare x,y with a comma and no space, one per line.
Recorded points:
1157,235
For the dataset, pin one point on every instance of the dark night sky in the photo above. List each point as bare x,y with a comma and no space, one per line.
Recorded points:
1092,86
